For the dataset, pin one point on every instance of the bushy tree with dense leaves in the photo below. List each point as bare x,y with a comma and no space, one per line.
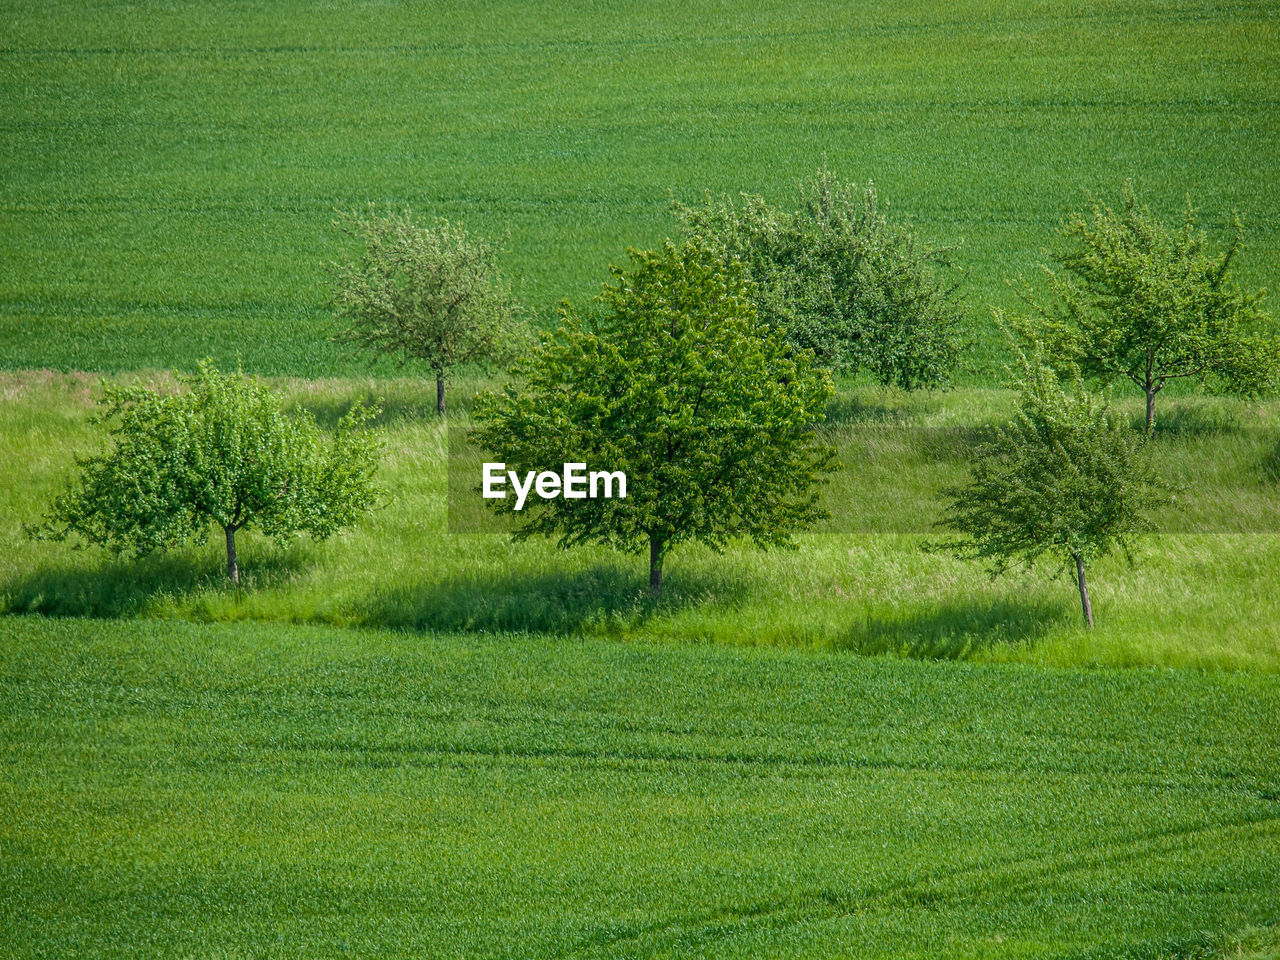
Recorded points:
224,454
838,278
675,382
1137,300
1066,480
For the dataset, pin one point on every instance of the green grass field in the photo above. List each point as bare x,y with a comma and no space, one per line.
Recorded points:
171,171
421,740
271,791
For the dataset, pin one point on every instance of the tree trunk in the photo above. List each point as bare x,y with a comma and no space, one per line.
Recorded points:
1084,592
655,566
233,565
1151,409
440,395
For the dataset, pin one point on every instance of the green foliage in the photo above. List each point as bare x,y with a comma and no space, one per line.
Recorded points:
1143,302
431,294
858,583
221,453
837,278
676,383
1064,478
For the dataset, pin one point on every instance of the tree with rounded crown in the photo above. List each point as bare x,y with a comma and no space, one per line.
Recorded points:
221,454
426,294
674,382
1139,301
1064,480
838,277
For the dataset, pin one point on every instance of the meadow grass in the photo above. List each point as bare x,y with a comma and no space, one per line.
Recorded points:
171,172
257,790
1197,594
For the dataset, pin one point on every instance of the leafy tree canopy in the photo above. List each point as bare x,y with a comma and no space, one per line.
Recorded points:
1138,300
1065,479
431,294
675,382
221,453
836,277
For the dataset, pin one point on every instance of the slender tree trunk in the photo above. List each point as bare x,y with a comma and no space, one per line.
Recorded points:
1085,605
233,565
655,566
1151,409
440,394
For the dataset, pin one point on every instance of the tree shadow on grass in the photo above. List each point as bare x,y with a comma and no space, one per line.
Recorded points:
954,444
329,410
1191,417
104,586
405,399
1270,467
957,630
603,600
847,408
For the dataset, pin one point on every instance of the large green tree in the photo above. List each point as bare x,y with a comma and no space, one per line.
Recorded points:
1065,480
837,277
430,294
221,453
675,382
1137,300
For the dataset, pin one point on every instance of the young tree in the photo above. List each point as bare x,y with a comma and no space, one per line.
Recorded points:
842,281
222,453
430,294
676,384
1140,301
1064,479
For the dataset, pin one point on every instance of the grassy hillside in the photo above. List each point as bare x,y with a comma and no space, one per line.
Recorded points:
205,791
1197,595
171,171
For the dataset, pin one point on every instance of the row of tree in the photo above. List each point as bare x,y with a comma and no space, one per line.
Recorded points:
702,371
708,364
833,277
713,412
1128,298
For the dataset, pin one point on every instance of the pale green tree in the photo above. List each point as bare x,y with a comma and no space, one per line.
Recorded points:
837,277
220,454
428,294
1136,300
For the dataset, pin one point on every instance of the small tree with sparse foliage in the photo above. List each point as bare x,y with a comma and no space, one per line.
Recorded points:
839,279
1064,480
222,453
1143,302
427,294
675,383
